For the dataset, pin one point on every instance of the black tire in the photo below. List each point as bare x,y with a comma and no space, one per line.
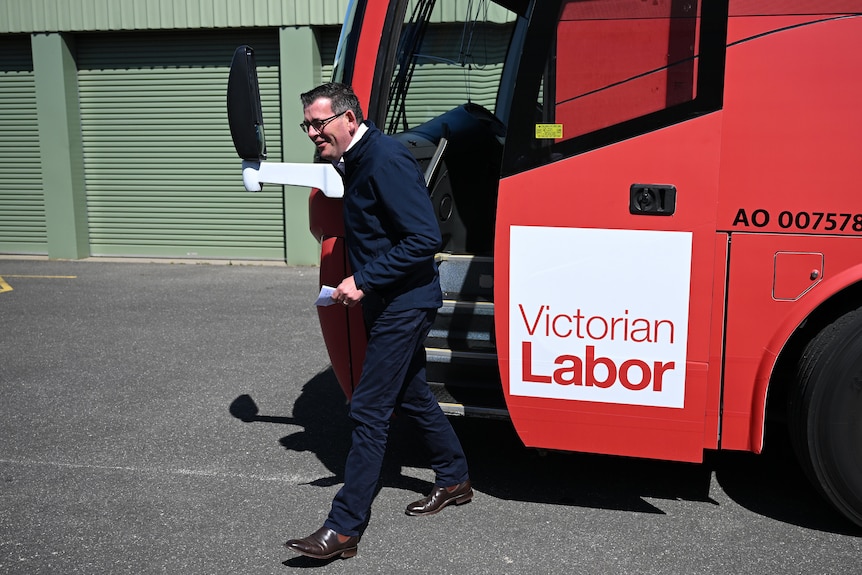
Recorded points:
826,413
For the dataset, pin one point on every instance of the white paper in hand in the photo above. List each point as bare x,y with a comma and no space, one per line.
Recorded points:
325,296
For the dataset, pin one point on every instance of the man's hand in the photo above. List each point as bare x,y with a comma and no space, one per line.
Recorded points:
347,293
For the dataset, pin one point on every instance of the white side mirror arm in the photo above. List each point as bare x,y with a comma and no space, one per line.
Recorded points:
322,176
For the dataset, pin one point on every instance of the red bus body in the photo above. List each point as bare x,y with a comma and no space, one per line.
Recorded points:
661,335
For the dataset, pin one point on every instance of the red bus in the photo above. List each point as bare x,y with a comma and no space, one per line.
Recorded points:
653,236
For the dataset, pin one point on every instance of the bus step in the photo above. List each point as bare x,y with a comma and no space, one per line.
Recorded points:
466,277
461,347
469,402
456,409
464,325
465,378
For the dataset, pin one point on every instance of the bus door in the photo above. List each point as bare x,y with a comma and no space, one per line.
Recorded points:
343,329
605,240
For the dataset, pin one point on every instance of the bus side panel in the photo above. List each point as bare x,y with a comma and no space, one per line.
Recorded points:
789,167
345,352
791,131
343,329
551,338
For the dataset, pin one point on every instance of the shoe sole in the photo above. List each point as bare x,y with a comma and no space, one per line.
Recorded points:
343,554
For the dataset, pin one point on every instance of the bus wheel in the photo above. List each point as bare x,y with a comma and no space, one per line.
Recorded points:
826,413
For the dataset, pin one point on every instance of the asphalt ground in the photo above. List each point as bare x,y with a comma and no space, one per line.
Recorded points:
178,418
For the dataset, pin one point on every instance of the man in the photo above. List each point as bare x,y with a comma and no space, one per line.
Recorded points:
391,236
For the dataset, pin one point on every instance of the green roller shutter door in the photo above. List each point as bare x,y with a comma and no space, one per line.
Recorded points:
162,175
22,198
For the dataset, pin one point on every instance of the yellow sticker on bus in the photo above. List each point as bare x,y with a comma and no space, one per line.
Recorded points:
549,131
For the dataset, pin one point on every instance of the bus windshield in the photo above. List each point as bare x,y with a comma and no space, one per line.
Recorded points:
450,52
346,43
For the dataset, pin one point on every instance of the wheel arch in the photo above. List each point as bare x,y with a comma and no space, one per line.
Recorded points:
775,374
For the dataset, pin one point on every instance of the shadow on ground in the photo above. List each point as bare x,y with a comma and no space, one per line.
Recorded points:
771,484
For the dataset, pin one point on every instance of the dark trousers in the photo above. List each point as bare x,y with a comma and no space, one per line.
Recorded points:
393,374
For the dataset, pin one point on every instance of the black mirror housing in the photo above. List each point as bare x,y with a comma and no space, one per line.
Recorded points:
243,106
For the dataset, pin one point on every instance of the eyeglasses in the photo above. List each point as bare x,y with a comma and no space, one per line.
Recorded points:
318,125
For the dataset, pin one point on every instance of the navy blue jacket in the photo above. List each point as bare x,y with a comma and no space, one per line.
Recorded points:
390,227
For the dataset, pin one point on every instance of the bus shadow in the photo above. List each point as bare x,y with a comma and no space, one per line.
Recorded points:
771,484
774,485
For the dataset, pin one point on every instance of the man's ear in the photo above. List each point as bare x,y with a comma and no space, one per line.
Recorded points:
351,117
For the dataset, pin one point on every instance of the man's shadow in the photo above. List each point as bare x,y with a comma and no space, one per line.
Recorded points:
499,463
321,411
500,466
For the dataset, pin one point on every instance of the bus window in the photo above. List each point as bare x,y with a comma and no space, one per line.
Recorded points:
344,53
449,53
615,61
612,69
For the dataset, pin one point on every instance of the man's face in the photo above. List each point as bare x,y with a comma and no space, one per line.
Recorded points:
333,138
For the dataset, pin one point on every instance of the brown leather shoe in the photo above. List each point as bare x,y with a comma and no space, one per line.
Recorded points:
440,497
325,544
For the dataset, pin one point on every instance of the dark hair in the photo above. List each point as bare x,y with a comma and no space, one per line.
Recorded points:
340,95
